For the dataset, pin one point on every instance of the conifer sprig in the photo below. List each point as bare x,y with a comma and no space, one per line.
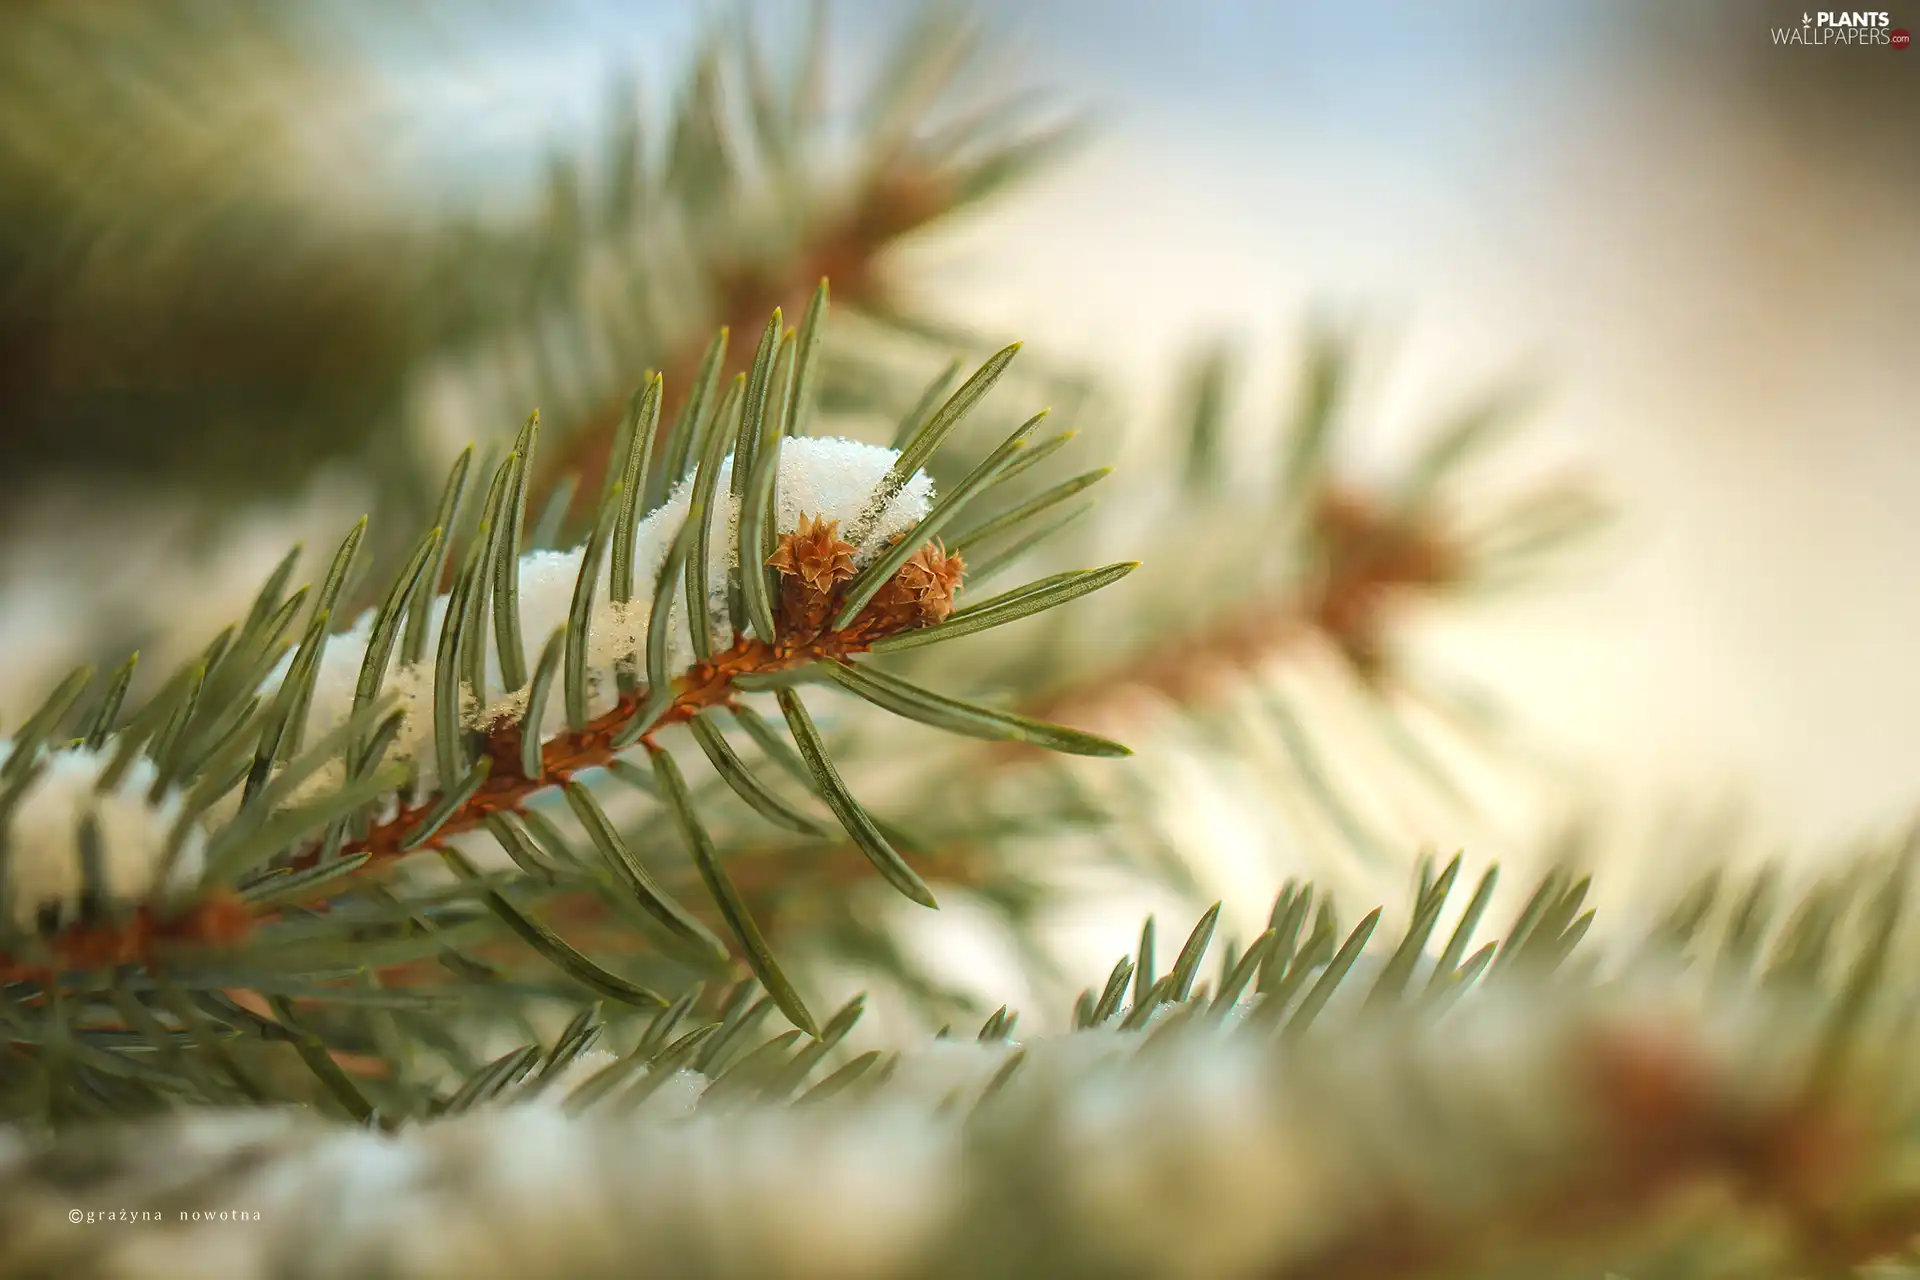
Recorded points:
424,724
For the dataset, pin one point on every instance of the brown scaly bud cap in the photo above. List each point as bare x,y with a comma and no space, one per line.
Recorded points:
920,593
814,554
934,578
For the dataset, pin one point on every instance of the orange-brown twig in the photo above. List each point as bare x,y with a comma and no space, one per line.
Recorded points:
218,918
814,565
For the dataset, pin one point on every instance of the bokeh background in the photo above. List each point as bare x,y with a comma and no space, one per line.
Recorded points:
1709,246
1704,247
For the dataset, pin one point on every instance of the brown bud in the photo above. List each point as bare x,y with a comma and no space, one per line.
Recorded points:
814,554
931,578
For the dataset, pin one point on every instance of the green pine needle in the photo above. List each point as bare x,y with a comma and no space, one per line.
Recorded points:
620,857
759,503
505,552
643,425
917,449
733,908
806,368
531,764
40,727
745,784
100,724
580,613
706,484
756,417
855,819
903,699
551,946
1026,511
690,427
413,649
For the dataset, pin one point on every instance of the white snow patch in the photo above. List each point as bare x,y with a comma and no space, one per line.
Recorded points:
832,479
43,864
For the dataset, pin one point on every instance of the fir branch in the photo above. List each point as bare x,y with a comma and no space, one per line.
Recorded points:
515,752
1548,1124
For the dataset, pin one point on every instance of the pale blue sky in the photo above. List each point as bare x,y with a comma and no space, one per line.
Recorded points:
1409,84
